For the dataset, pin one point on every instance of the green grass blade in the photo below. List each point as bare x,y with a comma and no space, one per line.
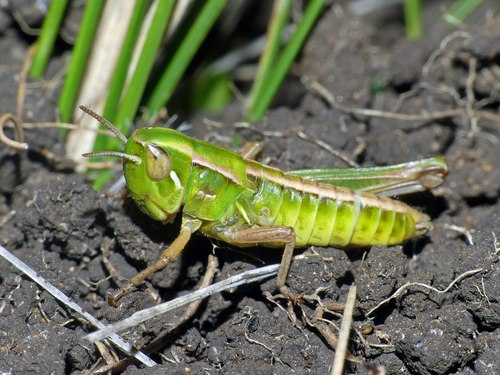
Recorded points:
183,56
286,59
79,59
130,104
279,19
120,74
459,11
99,178
211,91
413,19
47,38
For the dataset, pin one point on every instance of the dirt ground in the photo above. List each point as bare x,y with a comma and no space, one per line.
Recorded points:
65,230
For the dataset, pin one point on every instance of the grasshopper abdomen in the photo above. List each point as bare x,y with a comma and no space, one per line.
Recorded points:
323,214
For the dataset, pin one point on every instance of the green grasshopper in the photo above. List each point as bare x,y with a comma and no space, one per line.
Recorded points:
232,198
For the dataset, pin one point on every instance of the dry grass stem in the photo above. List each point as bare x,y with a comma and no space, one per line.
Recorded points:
9,215
117,340
400,116
23,77
328,148
146,314
20,145
461,230
159,341
345,329
404,287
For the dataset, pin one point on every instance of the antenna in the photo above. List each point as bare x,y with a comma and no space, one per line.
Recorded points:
105,122
133,158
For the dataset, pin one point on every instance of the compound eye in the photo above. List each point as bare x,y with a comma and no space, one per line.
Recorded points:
158,163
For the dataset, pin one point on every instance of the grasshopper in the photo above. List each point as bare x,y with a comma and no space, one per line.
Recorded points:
229,197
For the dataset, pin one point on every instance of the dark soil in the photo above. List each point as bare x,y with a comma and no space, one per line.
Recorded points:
61,225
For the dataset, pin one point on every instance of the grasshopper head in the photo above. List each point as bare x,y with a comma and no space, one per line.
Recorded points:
158,182
156,163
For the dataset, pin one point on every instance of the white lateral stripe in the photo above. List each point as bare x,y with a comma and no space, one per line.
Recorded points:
174,177
357,208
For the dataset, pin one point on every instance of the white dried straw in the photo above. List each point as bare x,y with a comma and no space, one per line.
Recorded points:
143,315
117,340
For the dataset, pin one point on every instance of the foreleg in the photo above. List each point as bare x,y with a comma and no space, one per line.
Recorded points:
166,257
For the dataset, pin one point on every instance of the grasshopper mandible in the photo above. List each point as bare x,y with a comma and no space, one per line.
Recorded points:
235,199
